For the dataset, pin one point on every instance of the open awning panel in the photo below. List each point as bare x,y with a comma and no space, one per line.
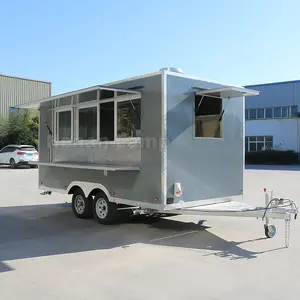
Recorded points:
226,92
36,104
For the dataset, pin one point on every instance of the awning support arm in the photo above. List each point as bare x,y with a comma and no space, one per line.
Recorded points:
197,108
46,123
138,116
221,117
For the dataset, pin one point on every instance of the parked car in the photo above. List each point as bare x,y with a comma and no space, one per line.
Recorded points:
16,155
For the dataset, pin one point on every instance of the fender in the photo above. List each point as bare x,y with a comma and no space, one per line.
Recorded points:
87,187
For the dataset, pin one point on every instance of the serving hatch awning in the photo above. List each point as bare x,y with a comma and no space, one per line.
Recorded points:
36,104
226,92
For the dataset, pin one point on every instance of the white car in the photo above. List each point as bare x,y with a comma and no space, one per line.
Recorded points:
16,155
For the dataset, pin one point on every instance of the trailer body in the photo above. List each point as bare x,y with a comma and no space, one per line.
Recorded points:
164,142
208,169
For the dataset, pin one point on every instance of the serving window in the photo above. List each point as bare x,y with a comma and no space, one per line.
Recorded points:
87,123
98,116
129,122
64,126
208,121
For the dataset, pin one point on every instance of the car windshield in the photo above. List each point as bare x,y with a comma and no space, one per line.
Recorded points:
27,148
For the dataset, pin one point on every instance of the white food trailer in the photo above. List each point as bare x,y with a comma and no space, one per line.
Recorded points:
161,143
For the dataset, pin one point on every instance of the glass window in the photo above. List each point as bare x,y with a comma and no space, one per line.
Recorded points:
87,96
87,123
252,147
128,119
122,93
207,114
269,138
27,148
269,112
107,121
294,111
277,112
260,113
269,145
247,114
65,101
252,114
285,111
105,94
259,143
64,125
7,149
260,146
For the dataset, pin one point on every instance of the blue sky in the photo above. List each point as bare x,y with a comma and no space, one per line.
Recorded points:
75,44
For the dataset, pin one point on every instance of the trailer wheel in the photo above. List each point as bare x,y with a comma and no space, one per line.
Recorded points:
105,212
270,231
82,206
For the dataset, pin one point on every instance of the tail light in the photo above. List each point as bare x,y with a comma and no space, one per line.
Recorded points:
36,153
21,153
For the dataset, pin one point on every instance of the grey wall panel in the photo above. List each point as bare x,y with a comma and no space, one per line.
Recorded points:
206,168
142,185
14,91
127,155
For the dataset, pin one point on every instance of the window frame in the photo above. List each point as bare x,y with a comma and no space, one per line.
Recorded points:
221,138
83,105
130,139
56,124
74,108
248,142
289,109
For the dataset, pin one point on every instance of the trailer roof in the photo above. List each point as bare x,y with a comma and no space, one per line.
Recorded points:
35,104
107,86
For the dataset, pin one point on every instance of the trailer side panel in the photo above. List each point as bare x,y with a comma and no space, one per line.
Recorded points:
144,185
206,168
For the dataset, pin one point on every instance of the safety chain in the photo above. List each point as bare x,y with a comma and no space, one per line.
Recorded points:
287,232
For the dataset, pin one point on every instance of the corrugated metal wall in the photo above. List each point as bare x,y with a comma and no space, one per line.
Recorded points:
14,91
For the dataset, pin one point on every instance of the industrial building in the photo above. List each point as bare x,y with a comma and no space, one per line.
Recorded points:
16,90
272,118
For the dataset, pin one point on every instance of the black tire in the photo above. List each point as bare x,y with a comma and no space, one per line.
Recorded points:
105,212
33,166
270,231
82,207
12,163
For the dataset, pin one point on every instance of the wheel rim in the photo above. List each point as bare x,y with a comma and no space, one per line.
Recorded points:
272,230
12,162
101,208
79,204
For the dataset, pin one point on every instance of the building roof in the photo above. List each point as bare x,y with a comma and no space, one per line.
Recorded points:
273,83
22,78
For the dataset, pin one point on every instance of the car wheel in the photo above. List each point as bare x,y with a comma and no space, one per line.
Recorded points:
12,163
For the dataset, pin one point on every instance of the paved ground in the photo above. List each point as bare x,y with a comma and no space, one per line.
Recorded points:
46,253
